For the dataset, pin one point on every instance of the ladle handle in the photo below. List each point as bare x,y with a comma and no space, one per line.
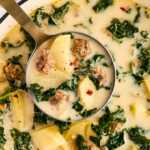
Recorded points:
21,17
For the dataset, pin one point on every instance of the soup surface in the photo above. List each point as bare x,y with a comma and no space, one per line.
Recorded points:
82,72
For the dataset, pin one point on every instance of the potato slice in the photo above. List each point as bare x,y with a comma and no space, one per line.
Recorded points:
52,80
49,138
147,83
22,109
75,129
88,93
61,52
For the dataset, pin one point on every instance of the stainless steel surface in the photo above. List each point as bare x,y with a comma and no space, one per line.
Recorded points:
20,16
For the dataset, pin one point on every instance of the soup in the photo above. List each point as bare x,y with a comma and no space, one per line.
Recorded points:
123,27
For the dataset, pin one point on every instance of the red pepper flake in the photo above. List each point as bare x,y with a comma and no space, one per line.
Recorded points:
125,9
89,92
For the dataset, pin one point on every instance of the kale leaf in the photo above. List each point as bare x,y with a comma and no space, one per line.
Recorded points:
53,18
40,95
36,89
22,140
39,16
122,29
60,12
70,85
104,126
144,67
102,5
83,112
81,143
63,126
15,60
2,138
7,45
115,140
40,117
137,135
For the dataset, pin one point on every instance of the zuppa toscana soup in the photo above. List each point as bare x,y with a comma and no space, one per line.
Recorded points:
123,27
70,76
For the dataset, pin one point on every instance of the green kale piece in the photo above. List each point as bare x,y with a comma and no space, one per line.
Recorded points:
63,126
138,14
122,29
2,138
104,127
60,12
37,91
82,111
53,18
39,16
144,67
81,143
15,60
22,140
40,117
102,5
70,85
137,135
115,140
40,94
7,45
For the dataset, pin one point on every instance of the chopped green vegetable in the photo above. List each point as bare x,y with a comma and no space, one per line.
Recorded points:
144,34
137,135
81,143
70,85
22,140
53,18
63,126
39,16
85,67
2,138
60,12
77,106
102,5
104,127
37,91
40,94
7,45
15,60
115,140
40,117
122,29
138,14
144,67
83,112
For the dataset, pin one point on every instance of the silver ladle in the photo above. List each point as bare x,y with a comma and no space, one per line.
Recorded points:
40,38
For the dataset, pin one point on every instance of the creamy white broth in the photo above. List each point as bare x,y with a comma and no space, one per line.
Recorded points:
126,93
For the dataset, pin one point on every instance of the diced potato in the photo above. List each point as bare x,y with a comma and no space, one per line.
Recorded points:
49,138
22,109
52,80
88,93
147,83
132,147
75,129
61,52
